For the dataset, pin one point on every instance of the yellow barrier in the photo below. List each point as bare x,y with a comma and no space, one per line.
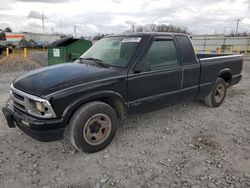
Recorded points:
208,50
7,52
246,50
25,53
238,50
219,50
231,50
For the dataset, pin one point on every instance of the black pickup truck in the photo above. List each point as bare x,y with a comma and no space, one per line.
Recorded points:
84,101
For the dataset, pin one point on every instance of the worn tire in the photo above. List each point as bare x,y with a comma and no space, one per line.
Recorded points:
76,130
3,53
212,99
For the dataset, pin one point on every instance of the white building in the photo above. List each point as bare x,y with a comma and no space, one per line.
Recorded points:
40,39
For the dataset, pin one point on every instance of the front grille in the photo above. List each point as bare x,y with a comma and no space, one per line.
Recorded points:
18,100
18,96
19,105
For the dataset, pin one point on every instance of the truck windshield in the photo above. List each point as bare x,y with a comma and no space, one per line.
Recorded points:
114,51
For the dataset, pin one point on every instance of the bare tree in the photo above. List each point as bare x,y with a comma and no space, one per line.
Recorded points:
243,34
7,29
98,36
161,28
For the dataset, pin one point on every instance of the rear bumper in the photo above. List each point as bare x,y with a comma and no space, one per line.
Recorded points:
41,130
236,79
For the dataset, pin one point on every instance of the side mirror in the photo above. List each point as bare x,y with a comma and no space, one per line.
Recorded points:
142,67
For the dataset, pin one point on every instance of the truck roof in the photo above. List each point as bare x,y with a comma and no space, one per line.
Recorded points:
140,34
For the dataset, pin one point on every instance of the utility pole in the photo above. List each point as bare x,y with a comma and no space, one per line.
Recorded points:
43,21
237,26
52,29
61,26
75,30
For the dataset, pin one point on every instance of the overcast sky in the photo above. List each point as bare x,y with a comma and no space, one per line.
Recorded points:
115,16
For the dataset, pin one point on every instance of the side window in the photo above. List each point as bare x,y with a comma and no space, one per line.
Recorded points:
186,48
162,53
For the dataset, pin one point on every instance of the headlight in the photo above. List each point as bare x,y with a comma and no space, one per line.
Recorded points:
41,108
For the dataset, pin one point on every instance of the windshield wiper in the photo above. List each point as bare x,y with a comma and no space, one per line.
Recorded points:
97,61
92,59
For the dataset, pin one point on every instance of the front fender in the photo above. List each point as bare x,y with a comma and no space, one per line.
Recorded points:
73,106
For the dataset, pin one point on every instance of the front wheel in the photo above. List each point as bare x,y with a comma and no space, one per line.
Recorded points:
92,127
217,95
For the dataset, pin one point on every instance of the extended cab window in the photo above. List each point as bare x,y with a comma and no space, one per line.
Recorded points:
186,48
162,53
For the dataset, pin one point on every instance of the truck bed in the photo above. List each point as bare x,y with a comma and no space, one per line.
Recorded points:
213,65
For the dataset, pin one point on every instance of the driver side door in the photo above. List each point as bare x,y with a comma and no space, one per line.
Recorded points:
159,86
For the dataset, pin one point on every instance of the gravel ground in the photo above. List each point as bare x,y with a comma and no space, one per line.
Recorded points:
187,145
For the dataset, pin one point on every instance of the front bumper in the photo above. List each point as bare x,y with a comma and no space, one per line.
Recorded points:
44,130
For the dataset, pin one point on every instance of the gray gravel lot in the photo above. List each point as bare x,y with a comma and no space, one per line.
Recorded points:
187,145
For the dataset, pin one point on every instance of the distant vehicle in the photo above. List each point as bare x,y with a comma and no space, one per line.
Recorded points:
39,46
3,49
27,44
32,45
85,100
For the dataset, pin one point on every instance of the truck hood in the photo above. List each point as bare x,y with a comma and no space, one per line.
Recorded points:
47,80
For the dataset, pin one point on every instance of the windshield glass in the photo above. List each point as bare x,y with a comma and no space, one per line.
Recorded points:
114,51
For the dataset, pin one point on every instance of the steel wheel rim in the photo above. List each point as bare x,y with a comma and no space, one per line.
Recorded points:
97,129
219,93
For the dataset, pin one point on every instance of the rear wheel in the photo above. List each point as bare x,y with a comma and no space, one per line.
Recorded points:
92,127
3,53
217,95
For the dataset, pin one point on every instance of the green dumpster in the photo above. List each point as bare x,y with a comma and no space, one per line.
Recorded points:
67,50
